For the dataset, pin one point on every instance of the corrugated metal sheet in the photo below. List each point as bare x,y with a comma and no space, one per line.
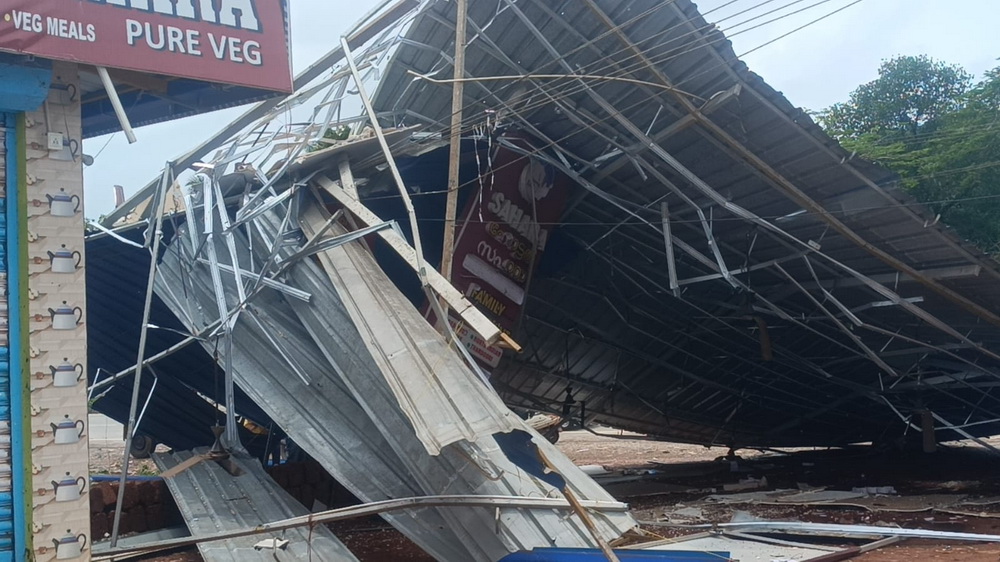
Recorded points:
346,417
211,500
444,401
116,274
604,334
323,417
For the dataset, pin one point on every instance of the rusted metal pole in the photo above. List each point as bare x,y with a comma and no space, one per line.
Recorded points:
457,91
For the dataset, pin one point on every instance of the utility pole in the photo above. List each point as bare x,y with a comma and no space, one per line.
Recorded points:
451,208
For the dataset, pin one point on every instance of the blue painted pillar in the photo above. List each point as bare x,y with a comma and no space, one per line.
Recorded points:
13,357
24,86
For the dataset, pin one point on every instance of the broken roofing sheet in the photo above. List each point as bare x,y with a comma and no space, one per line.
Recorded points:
428,378
726,273
212,501
309,366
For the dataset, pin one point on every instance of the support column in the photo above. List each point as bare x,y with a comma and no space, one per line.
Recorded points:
56,322
927,429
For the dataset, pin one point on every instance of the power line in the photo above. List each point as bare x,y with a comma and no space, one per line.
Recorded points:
853,210
643,64
608,61
557,95
941,134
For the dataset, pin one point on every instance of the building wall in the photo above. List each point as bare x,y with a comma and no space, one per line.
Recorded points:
56,454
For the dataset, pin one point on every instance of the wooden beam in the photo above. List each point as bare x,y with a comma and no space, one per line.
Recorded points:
454,161
475,319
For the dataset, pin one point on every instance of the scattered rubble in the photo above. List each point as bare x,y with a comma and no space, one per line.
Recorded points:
812,486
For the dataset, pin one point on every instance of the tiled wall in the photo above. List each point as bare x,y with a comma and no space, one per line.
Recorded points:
57,325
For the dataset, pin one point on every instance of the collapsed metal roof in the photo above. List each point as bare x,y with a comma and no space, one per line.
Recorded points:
315,368
874,312
724,274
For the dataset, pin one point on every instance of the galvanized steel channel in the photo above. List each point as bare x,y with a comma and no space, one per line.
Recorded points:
211,500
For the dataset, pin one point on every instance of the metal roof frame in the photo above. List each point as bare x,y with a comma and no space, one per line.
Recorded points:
710,211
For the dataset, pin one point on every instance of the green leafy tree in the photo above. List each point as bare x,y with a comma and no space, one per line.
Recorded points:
332,135
909,96
925,120
958,170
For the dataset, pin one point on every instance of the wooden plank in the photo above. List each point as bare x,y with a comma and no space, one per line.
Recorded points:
475,319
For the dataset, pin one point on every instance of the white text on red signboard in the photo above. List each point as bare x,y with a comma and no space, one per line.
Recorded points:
230,41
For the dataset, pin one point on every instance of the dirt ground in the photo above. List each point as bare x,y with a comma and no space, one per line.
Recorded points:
934,552
615,449
674,476
680,476
107,449
106,458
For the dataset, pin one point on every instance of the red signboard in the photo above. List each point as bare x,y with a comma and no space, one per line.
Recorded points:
243,42
504,236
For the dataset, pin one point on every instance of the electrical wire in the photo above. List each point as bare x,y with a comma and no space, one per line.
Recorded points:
626,222
646,100
476,119
106,143
628,69
564,94
662,59
939,135
640,65
608,56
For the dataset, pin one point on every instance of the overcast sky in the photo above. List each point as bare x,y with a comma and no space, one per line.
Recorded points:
814,67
